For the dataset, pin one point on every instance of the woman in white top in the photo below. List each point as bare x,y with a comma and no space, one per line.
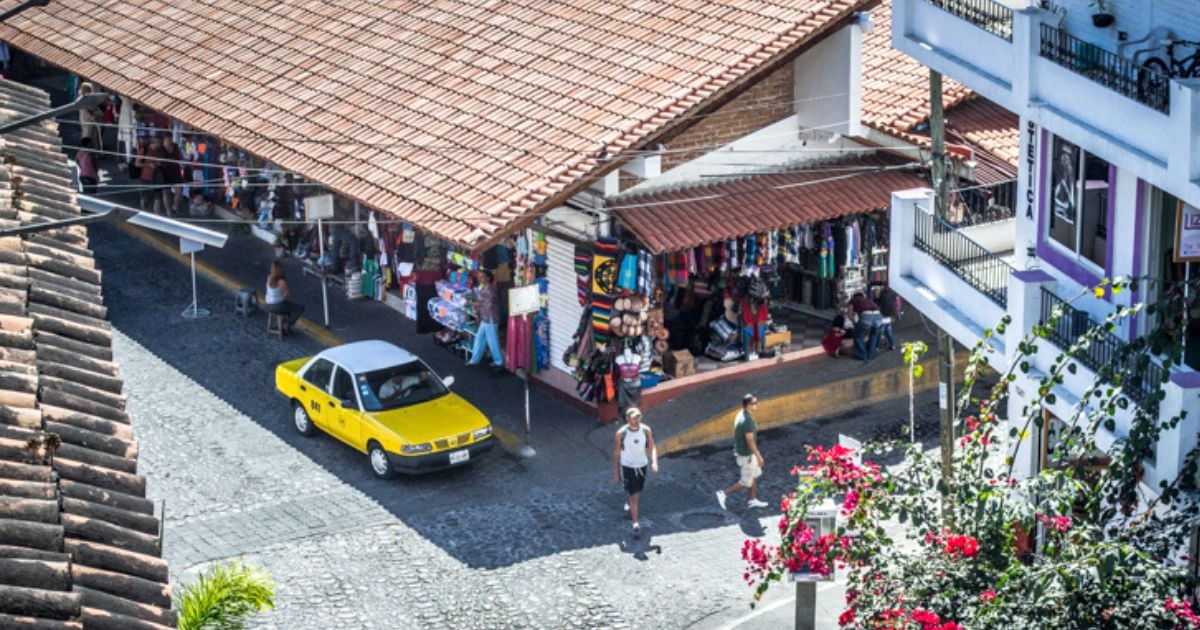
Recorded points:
277,296
634,452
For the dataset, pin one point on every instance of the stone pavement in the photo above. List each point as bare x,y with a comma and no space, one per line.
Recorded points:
486,546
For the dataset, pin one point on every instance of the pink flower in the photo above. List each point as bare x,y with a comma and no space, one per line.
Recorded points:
1058,523
1182,609
987,596
850,504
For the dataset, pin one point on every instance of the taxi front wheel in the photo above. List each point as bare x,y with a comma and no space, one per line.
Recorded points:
304,426
380,464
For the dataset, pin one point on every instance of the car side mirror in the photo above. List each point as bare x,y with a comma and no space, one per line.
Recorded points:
448,381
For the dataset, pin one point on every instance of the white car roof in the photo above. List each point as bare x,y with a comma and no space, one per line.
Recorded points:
368,356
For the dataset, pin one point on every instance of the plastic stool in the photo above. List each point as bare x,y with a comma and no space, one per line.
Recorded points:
275,324
244,302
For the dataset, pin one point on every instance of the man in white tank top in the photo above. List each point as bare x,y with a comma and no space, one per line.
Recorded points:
633,453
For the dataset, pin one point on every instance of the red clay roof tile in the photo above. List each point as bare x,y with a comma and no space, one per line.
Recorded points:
667,220
591,75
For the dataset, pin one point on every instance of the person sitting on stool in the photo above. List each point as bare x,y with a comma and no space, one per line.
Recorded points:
277,296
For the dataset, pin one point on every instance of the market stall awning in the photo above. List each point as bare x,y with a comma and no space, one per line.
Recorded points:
677,218
462,117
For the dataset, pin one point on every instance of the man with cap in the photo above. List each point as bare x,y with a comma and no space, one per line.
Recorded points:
633,453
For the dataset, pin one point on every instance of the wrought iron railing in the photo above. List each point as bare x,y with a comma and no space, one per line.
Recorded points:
978,267
1106,354
1144,85
983,204
988,15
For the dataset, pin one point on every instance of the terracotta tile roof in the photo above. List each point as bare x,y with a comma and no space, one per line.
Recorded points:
668,220
895,100
518,100
79,542
895,87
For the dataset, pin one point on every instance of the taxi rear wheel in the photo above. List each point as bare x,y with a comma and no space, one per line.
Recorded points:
380,464
300,419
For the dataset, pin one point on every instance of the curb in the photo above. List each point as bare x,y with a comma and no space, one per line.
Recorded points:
509,441
820,401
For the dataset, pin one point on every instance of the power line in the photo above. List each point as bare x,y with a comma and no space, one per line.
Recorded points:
760,104
624,207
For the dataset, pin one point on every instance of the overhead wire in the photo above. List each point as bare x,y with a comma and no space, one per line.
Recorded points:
760,104
631,206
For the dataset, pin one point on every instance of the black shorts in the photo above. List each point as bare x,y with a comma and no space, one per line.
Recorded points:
635,479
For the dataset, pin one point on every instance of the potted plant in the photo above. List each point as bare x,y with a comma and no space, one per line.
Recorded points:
280,245
1103,17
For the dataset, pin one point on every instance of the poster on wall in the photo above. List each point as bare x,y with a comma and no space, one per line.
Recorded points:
1187,233
1065,178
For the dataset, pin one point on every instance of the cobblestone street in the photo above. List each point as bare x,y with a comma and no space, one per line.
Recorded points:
503,542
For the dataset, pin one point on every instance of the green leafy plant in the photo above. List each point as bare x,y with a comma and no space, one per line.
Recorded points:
224,597
1075,545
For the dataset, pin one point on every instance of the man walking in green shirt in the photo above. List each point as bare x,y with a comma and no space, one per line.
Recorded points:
745,451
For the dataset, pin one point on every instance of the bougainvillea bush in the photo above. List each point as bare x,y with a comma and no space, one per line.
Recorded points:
1074,546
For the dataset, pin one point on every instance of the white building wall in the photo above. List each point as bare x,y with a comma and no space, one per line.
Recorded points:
828,83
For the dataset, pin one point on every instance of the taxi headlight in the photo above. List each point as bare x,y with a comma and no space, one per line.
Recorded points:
413,449
479,434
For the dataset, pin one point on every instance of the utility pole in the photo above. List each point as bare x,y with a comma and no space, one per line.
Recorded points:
945,345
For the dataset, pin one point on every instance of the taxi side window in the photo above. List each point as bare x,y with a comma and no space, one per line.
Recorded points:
343,386
318,373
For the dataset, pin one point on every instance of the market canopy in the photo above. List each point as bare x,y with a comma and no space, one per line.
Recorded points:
463,117
677,218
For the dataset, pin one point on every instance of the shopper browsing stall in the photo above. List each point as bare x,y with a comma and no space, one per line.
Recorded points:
486,310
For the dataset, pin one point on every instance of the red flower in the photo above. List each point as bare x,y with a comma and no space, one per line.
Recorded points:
847,617
924,617
962,545
987,596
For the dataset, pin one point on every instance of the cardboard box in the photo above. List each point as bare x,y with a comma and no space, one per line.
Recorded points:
781,338
678,363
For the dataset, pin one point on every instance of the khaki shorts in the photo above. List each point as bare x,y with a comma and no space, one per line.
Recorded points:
748,466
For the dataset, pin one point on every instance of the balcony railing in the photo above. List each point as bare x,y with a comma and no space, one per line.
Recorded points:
982,204
988,15
1106,354
1144,85
978,267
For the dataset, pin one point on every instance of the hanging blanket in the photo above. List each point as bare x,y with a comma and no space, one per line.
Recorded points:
604,286
583,276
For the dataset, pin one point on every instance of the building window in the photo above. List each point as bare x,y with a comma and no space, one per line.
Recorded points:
1079,202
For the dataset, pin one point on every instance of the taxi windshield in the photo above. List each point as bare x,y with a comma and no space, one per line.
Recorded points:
399,386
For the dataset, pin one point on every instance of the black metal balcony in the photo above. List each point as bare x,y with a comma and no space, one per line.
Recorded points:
1107,354
970,261
982,204
1144,85
988,15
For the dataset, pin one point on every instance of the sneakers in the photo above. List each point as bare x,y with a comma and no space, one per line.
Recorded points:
755,503
721,499
637,530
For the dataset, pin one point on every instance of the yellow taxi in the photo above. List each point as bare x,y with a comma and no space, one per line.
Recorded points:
385,402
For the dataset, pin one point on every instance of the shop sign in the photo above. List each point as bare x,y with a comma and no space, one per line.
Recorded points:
1030,166
523,300
318,207
1187,233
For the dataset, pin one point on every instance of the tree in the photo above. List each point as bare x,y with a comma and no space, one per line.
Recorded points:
224,597
1071,547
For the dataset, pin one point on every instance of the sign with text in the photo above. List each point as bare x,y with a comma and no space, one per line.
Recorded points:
523,300
1187,233
318,207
